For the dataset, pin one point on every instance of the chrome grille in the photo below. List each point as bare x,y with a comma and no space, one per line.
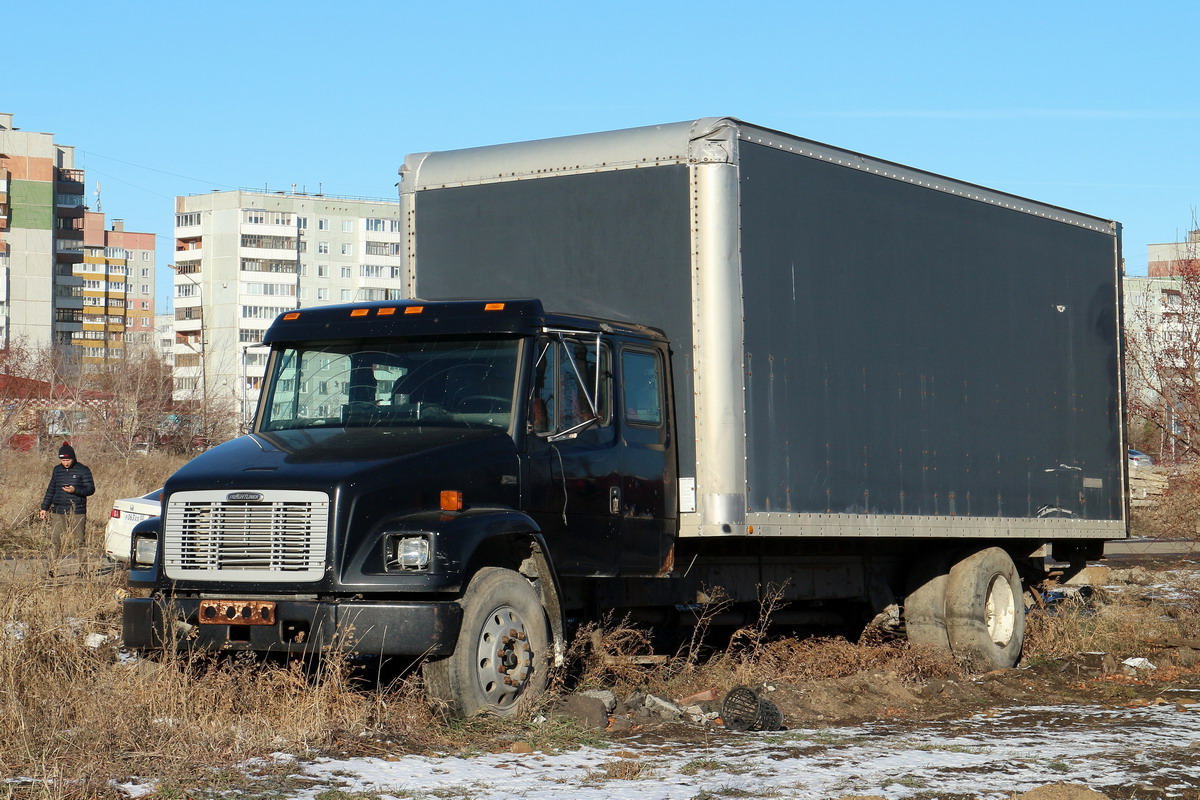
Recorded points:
282,537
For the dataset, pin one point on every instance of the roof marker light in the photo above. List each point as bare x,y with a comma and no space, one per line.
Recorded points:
414,309
360,312
386,312
493,307
451,500
292,315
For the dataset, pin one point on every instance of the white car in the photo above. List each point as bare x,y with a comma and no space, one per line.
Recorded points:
124,515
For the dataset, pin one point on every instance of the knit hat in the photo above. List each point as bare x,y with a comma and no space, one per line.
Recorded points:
66,451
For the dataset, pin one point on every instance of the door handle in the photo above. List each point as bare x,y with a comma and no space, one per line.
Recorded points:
614,500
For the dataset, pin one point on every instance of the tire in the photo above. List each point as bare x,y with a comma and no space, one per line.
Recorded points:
504,627
985,612
925,601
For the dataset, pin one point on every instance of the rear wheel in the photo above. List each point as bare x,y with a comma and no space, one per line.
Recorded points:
925,600
985,612
500,662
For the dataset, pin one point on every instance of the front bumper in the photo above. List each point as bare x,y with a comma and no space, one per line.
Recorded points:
300,627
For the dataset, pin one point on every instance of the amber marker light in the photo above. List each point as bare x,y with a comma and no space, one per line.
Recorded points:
386,312
360,312
414,309
494,307
292,315
452,500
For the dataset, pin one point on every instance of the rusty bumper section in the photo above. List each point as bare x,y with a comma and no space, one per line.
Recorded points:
295,627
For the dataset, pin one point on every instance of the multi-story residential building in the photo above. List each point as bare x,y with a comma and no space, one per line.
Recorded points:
164,337
118,286
1172,258
243,257
62,275
41,239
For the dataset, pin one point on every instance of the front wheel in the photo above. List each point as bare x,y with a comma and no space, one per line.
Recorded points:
501,660
985,613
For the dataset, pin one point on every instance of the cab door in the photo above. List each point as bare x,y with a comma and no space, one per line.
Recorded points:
574,454
648,500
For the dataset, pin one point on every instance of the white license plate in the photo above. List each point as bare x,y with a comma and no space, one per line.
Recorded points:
134,517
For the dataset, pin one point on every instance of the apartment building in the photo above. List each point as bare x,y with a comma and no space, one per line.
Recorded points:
244,257
63,277
1171,258
118,291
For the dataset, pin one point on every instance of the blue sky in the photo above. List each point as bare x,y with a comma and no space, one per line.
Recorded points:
1091,106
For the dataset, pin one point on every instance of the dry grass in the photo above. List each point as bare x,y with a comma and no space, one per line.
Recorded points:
76,714
615,654
23,478
1137,615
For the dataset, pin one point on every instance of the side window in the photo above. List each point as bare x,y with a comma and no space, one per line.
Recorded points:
564,378
642,387
541,404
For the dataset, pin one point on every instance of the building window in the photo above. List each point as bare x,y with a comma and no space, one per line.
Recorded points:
254,216
347,249
375,224
269,242
347,226
322,270
145,272
347,295
261,312
145,288
187,220
346,272
383,248
302,223
323,248
322,294
322,224
145,255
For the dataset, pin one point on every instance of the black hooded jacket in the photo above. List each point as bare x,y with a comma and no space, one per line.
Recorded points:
60,502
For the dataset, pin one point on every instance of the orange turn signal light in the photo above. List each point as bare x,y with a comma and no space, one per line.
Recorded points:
493,307
360,312
386,312
414,309
452,500
292,315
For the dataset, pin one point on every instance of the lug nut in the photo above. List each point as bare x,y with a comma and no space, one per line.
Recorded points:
501,668
521,635
512,631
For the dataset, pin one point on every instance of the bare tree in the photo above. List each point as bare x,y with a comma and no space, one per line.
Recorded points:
1163,357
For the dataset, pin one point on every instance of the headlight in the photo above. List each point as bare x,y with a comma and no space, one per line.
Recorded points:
145,550
406,552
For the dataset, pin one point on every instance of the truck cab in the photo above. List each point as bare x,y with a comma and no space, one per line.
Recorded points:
403,455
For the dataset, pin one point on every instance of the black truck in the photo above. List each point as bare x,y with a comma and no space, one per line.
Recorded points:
770,362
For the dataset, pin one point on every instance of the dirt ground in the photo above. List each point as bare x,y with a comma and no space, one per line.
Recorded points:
1109,690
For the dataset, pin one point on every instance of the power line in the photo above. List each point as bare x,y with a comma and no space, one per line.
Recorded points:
155,169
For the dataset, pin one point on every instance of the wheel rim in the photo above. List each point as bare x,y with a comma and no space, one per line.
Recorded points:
504,658
1000,611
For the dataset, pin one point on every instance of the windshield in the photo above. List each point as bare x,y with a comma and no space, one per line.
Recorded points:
458,382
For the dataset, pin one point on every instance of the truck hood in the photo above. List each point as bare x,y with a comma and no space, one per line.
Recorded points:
321,458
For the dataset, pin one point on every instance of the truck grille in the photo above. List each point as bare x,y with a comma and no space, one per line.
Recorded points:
223,535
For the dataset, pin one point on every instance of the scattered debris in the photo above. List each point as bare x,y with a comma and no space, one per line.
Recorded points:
744,710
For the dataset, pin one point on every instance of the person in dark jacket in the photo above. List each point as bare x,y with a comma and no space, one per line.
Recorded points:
66,501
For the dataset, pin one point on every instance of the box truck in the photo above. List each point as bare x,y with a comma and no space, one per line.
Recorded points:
637,366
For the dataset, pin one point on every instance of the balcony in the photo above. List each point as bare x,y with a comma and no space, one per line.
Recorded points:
71,176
